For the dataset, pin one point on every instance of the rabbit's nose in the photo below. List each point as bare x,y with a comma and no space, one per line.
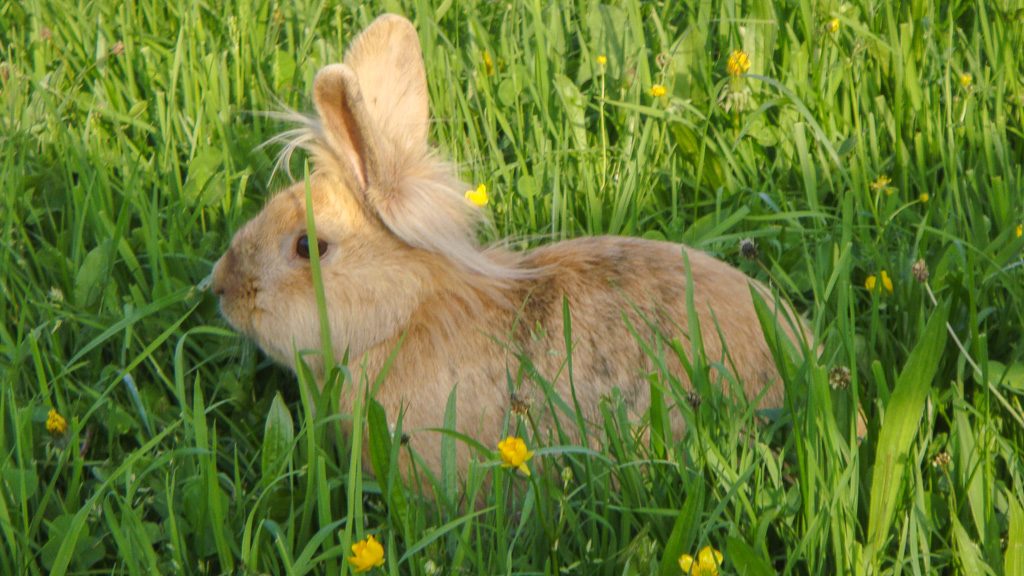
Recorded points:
222,274
217,287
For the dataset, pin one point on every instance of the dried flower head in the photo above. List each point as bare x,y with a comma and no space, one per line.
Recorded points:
839,378
693,399
942,460
748,249
920,271
117,49
520,405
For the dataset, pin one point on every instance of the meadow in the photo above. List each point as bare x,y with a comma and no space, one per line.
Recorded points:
868,156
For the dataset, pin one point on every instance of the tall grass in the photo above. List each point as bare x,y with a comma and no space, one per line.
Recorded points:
866,136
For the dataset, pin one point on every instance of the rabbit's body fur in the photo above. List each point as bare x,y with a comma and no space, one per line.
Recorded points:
402,270
614,287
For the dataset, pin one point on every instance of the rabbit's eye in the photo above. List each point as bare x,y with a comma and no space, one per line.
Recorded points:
302,247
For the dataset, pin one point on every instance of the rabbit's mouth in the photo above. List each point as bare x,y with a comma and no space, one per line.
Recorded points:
241,312
239,308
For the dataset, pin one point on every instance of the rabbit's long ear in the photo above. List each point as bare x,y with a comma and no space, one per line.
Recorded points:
375,119
374,107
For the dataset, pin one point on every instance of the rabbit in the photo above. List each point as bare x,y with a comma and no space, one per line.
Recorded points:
403,270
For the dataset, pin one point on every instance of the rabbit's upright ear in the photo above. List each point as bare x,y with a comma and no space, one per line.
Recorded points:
375,107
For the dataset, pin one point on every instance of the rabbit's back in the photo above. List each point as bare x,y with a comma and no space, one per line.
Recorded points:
628,294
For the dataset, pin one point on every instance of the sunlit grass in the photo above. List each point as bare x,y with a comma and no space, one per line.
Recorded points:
864,137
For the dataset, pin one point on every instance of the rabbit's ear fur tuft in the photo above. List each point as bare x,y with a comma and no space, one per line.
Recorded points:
374,121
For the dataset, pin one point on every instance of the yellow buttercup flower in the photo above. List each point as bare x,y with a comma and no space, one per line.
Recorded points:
479,196
833,25
738,63
886,281
924,197
55,423
488,64
1020,230
658,91
514,454
882,183
602,59
966,79
706,564
367,554
872,282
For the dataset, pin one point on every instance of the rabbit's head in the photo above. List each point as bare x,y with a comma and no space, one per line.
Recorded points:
391,220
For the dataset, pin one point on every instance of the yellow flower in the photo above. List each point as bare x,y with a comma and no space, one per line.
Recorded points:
514,454
479,196
966,80
55,423
872,282
658,91
739,63
886,281
1020,230
924,197
707,562
882,183
602,59
488,64
366,555
833,25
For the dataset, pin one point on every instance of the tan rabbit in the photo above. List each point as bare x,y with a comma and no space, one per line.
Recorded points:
401,264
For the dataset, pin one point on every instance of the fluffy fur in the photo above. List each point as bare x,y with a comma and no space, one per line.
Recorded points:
402,263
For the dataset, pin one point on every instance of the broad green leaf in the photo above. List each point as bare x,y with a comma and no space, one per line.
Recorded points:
969,555
1014,561
92,275
684,530
205,168
746,560
900,427
1011,376
23,483
278,435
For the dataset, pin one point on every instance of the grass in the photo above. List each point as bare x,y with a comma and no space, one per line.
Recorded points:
129,153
